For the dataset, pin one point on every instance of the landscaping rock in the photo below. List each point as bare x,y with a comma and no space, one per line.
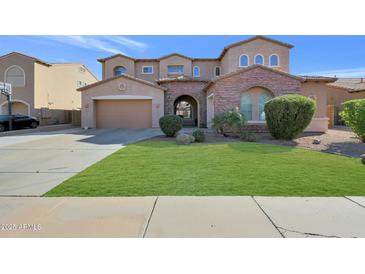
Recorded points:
316,141
184,139
363,158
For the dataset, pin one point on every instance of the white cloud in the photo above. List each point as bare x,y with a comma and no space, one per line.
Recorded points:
111,44
87,42
344,73
130,43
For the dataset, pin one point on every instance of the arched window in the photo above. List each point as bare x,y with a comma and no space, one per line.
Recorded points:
243,60
265,96
274,60
15,76
196,71
259,59
119,71
246,105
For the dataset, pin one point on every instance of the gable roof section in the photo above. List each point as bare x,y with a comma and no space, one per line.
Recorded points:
242,70
119,77
225,49
350,84
175,54
102,60
26,56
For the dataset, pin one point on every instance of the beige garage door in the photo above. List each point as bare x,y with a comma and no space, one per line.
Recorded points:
124,113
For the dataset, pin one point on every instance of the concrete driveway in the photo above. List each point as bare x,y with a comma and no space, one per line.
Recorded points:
32,164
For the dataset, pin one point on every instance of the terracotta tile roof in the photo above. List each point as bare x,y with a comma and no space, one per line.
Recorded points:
180,79
351,84
252,39
120,76
27,56
319,78
227,75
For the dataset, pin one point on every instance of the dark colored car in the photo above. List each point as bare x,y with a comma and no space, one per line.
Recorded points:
18,121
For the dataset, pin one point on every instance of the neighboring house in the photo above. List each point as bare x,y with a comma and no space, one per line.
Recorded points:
137,92
344,89
43,90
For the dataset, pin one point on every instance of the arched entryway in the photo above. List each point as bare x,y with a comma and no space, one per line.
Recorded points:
187,108
253,102
17,107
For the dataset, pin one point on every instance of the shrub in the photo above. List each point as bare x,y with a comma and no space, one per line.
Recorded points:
170,124
184,139
228,122
248,136
287,116
354,116
199,135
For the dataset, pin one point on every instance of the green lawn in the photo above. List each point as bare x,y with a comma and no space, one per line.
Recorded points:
158,167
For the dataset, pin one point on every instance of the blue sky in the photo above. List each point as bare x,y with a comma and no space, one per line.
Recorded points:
343,56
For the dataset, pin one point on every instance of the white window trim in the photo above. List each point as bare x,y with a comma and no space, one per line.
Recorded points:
277,55
215,70
147,72
15,66
263,59
177,73
196,76
239,61
119,67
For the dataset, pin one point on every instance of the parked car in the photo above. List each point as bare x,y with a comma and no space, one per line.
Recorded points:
18,121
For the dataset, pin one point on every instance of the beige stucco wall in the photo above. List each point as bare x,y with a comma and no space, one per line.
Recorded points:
175,60
56,88
148,77
112,88
109,65
337,96
25,93
207,68
230,61
317,91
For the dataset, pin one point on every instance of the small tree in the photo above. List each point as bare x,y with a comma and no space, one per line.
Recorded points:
354,116
287,116
228,122
170,124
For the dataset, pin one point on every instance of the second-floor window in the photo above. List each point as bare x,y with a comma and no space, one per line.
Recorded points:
259,59
119,71
243,60
217,71
147,70
274,60
175,69
196,71
15,76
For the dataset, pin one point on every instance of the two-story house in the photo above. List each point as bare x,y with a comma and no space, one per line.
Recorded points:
137,92
43,90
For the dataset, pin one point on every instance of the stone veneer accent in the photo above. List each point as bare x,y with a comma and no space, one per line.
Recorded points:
227,91
194,89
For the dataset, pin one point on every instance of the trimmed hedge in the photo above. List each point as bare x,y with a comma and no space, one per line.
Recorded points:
199,135
354,116
287,116
170,124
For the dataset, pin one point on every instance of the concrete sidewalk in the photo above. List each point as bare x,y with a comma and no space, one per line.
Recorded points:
166,216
